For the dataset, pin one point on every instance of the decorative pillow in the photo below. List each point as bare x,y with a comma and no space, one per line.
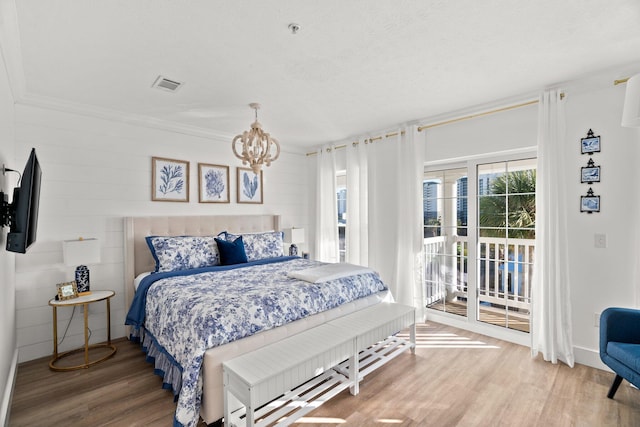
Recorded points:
231,252
173,253
261,245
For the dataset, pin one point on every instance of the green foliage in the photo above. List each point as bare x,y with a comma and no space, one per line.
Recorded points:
519,217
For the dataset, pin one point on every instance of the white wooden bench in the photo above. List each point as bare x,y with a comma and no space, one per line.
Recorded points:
279,383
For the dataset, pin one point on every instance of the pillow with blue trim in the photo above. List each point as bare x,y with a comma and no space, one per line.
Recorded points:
174,253
261,245
231,252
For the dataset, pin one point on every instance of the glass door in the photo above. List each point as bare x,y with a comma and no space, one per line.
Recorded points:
445,240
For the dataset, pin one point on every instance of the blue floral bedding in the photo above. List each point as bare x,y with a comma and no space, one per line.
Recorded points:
184,313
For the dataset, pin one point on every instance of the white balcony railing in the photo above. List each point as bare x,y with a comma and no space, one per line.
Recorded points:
504,277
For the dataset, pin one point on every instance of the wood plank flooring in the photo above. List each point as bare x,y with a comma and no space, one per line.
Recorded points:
456,378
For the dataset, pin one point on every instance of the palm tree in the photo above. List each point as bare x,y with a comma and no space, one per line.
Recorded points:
519,217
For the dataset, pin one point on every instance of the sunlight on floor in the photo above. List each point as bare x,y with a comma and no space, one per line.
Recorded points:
388,421
320,420
443,340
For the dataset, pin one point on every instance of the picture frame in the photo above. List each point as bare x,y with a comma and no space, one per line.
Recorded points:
590,174
590,144
169,180
249,186
589,204
213,183
67,290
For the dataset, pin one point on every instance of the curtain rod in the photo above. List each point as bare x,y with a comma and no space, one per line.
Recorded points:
446,122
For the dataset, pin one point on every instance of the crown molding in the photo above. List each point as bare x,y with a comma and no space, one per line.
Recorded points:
119,116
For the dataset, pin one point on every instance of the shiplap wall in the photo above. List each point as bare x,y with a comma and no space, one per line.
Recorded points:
95,172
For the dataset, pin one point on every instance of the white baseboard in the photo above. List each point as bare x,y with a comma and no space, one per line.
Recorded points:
8,391
589,357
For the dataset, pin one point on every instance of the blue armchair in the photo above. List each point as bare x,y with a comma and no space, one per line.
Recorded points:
620,345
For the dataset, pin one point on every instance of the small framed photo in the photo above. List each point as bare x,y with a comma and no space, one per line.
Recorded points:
590,144
170,180
67,290
213,183
590,174
249,186
589,204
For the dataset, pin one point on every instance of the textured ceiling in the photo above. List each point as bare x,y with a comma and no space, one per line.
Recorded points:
355,66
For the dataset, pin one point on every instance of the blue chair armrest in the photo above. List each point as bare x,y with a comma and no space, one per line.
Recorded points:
619,325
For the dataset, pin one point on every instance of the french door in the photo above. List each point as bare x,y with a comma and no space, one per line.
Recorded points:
479,241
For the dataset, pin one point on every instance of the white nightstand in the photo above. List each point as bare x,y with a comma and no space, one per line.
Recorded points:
84,301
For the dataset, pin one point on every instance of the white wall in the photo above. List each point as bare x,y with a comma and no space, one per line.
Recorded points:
602,277
95,172
7,276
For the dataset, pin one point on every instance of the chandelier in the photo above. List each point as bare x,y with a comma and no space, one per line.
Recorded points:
255,145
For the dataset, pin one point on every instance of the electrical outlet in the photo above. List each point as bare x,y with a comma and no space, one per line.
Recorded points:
596,320
600,240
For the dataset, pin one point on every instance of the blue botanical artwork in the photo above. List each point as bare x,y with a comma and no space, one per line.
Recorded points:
214,183
250,186
170,180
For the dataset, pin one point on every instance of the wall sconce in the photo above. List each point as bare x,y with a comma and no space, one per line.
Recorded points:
293,236
631,110
79,253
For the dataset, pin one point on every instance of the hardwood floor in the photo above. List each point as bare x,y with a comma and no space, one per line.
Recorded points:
456,378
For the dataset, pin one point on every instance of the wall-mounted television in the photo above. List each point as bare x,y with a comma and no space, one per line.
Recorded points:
21,215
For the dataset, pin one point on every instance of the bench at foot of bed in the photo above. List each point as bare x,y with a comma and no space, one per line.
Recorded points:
283,381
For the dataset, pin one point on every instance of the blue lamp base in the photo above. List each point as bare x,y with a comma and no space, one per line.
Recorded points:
293,250
82,280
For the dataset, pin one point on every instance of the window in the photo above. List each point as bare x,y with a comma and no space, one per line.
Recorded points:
341,194
479,234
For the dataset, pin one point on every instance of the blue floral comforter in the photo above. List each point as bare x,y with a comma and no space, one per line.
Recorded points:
185,313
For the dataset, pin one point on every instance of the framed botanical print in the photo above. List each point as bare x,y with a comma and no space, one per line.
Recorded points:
249,186
170,180
213,183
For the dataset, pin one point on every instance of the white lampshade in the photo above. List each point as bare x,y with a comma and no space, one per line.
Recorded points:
631,110
294,235
81,252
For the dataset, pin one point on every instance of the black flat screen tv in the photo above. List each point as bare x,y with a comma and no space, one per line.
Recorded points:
23,211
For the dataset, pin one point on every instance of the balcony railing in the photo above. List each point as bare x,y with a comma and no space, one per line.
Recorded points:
504,272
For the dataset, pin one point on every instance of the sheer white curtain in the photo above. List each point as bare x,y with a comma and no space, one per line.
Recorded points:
327,206
357,238
395,214
551,332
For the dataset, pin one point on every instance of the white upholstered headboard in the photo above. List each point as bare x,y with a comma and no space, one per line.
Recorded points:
137,256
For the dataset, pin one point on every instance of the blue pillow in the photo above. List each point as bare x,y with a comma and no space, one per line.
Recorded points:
173,253
263,245
231,252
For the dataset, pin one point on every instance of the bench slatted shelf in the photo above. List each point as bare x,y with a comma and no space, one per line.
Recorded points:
276,384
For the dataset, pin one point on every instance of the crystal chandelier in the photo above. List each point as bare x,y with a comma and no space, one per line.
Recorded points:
256,145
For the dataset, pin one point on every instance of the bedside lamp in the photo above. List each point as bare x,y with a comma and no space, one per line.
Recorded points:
79,253
293,236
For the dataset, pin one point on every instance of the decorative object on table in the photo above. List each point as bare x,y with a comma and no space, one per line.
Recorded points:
294,235
590,173
256,145
213,183
67,290
79,253
590,203
170,180
631,109
590,144
249,186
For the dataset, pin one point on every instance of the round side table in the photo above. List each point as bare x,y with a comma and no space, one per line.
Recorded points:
84,301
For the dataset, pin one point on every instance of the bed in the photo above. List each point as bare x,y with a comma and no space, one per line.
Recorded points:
203,392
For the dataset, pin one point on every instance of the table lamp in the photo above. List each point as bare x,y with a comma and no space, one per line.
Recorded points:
293,236
79,253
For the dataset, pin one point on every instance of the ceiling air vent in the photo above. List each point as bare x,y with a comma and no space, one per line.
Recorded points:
166,84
